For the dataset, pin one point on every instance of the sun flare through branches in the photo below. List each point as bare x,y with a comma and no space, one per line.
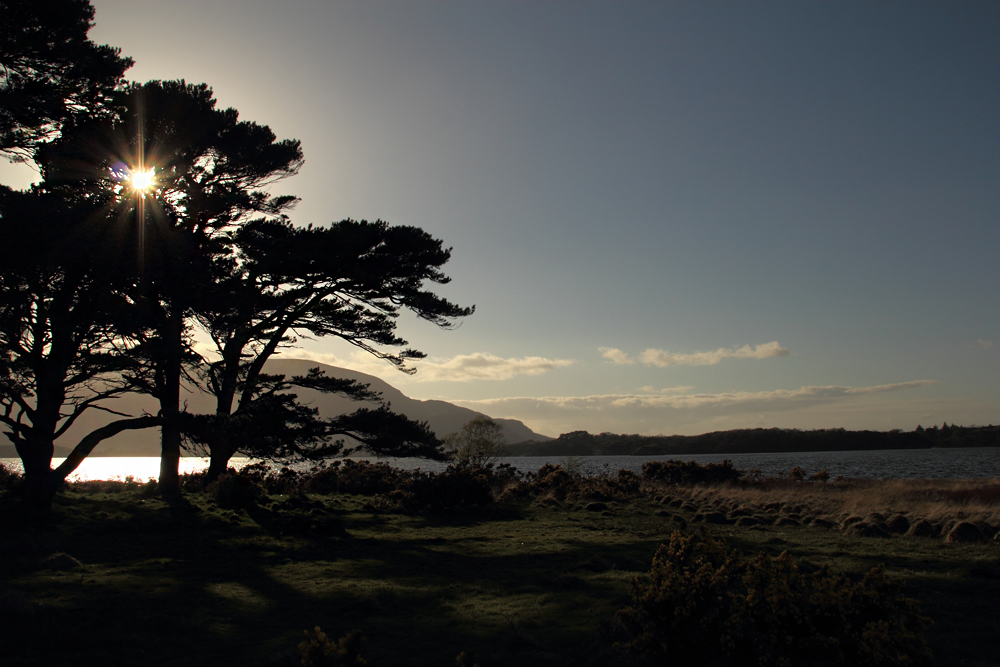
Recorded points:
142,180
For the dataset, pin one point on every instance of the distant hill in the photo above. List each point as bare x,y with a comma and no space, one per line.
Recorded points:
442,417
758,440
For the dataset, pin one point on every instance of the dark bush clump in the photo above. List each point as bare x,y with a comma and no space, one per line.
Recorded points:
703,603
8,478
234,491
605,487
550,479
690,472
356,477
281,481
460,484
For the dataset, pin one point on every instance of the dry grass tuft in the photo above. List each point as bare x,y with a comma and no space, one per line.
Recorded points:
938,501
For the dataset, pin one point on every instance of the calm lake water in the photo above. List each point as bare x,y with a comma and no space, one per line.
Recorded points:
960,463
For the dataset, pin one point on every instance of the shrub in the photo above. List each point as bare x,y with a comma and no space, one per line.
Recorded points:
550,479
8,478
605,487
702,603
480,442
690,472
233,490
821,476
356,477
458,485
318,650
281,481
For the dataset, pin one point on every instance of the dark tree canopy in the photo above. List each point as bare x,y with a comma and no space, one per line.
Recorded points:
60,297
348,280
50,73
154,218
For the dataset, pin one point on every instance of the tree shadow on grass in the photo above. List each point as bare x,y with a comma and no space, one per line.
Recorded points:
171,584
162,585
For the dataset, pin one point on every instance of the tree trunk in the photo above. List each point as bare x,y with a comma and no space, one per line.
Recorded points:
40,483
95,437
169,483
218,462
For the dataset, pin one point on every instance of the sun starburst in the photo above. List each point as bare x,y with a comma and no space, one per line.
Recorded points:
142,180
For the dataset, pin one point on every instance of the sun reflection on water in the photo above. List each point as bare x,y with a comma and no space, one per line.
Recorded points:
140,468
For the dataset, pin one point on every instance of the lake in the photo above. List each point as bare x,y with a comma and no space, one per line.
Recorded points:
957,463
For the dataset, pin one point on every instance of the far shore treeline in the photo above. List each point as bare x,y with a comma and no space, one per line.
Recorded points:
736,441
756,441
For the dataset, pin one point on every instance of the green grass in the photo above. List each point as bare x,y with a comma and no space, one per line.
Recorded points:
518,583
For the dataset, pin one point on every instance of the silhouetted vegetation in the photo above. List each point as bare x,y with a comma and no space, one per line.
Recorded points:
757,440
480,441
516,567
152,222
703,603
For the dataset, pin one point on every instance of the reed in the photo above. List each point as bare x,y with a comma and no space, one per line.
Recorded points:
938,501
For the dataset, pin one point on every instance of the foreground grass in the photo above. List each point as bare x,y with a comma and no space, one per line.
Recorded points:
143,582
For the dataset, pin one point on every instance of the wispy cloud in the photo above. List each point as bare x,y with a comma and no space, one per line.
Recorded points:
663,358
615,355
460,368
984,344
660,413
679,389
751,401
484,366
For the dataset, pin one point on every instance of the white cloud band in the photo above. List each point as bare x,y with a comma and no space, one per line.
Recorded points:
652,413
663,358
460,368
484,366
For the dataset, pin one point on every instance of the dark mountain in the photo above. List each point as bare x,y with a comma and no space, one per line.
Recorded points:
443,417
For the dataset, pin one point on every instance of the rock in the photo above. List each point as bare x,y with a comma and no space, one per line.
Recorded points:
748,521
850,521
820,522
897,524
865,529
922,528
787,521
596,507
61,561
965,532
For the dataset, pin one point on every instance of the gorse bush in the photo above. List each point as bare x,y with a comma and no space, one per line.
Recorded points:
357,477
459,484
702,603
690,472
318,650
626,484
8,478
234,490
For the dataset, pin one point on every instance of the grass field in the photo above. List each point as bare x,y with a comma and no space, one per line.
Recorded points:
119,578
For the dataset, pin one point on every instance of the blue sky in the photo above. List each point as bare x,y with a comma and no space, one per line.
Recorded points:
672,217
